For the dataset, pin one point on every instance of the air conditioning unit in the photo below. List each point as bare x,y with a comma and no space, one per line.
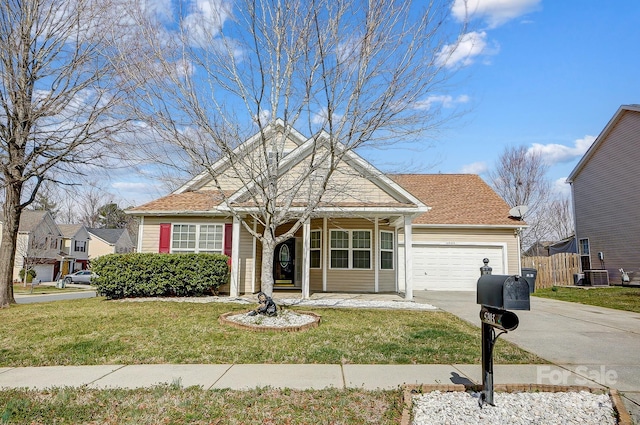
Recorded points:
596,277
578,279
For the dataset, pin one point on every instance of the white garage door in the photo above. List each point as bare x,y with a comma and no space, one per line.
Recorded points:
452,268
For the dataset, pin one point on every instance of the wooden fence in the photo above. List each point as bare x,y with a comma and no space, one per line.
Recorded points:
557,269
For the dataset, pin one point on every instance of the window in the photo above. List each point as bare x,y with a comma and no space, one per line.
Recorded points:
315,249
80,246
197,238
350,249
386,250
584,246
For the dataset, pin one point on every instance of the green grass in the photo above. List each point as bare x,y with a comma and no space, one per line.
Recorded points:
615,297
171,405
96,331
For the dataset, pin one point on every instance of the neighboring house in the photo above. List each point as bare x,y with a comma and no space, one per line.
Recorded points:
356,242
38,246
538,249
109,241
75,244
606,197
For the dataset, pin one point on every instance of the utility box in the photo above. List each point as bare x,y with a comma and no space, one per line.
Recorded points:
503,292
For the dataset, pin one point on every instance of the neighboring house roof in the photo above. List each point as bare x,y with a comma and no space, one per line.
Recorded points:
29,220
603,135
69,230
110,236
457,199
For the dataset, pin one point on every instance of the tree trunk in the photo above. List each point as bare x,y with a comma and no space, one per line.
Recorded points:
266,273
12,211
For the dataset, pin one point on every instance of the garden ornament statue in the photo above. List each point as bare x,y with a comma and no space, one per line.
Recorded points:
266,306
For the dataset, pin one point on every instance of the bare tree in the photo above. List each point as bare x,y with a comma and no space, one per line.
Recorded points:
347,72
520,178
59,102
558,218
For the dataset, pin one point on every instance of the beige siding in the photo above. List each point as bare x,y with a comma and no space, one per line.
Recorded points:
464,236
98,248
246,261
607,198
151,228
345,186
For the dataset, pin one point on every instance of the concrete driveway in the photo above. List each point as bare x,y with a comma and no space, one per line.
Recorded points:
601,344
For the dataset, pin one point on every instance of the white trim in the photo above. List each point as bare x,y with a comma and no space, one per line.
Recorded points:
473,226
234,289
376,274
325,253
196,248
393,250
408,259
254,246
350,249
306,244
315,249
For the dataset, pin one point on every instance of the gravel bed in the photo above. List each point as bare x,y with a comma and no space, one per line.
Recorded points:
284,319
461,408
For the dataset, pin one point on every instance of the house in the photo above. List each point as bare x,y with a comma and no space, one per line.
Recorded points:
371,233
75,244
605,185
109,241
38,246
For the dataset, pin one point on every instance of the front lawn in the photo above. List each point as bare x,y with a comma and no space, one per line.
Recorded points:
617,297
172,405
95,331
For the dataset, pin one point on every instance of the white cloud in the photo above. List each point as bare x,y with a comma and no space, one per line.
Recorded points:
321,117
554,153
206,20
463,53
446,101
493,12
561,187
474,168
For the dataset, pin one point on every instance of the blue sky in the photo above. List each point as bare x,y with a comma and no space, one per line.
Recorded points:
545,74
549,78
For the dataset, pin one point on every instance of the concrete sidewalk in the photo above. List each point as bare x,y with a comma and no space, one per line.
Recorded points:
294,376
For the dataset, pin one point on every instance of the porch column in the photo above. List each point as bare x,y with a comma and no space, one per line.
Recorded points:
234,290
325,255
408,259
306,261
375,259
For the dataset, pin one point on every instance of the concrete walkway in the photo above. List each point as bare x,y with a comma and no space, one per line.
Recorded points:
294,376
598,344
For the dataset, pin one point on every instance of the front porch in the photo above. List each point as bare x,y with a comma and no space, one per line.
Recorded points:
327,255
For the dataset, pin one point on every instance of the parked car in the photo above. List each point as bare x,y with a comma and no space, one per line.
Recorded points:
81,276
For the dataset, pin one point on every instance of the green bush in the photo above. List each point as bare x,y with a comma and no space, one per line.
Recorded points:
159,275
31,274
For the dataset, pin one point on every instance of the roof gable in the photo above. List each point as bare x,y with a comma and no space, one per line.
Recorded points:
613,122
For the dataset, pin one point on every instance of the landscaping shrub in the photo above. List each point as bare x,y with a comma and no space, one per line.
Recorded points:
159,275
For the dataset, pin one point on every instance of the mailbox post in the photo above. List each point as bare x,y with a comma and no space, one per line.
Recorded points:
496,294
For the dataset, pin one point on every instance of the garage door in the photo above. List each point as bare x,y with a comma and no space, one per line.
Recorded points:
452,268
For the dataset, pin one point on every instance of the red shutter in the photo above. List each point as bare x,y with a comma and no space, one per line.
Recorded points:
228,238
165,238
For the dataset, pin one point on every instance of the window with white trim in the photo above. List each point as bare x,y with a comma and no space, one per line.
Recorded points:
197,238
386,250
315,251
350,249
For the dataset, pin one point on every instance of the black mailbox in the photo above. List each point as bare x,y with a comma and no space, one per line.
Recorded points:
503,292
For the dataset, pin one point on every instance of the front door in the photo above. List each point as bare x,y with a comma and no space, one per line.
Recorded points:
284,263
